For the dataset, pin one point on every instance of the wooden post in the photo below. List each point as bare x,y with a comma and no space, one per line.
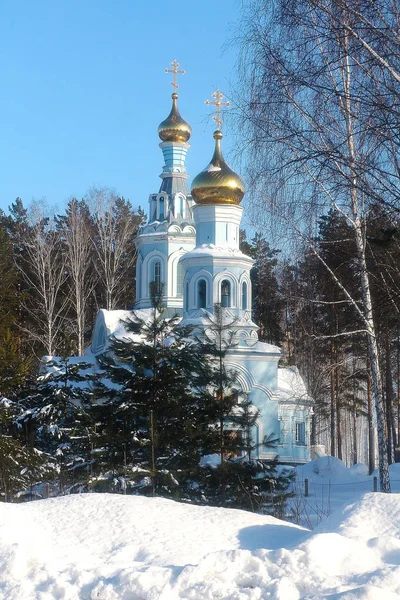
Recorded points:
375,484
306,487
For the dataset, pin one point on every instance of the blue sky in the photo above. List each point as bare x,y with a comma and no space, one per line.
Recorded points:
83,90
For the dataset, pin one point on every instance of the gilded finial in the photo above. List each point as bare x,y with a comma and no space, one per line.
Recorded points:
217,102
174,128
217,183
175,70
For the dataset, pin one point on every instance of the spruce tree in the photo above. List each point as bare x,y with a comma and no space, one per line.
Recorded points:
159,406
240,480
56,410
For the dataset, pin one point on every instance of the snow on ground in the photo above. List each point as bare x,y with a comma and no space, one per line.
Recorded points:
330,486
106,546
112,547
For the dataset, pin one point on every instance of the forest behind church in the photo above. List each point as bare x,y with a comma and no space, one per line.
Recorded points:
319,110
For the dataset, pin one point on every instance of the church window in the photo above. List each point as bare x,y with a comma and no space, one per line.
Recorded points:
225,294
157,275
101,337
162,208
300,433
179,281
201,293
179,206
244,295
187,296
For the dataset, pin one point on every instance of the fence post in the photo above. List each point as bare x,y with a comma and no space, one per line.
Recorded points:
46,490
375,484
306,487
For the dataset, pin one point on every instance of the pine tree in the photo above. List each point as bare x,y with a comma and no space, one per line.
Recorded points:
158,409
57,413
14,367
239,480
268,303
21,465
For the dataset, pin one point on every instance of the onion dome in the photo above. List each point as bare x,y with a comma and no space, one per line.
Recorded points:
217,183
174,128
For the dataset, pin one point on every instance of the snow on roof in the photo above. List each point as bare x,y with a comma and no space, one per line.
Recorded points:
206,319
264,347
114,320
217,251
291,385
54,364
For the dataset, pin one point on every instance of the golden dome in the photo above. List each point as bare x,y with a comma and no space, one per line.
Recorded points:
217,183
174,128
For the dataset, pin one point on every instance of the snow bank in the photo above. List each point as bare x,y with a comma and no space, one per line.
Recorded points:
331,486
110,547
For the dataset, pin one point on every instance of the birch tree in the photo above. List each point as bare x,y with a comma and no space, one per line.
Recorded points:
313,139
43,268
116,225
76,228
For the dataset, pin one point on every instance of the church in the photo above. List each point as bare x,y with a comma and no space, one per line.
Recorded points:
190,247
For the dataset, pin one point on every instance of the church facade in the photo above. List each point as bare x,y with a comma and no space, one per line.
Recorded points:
190,248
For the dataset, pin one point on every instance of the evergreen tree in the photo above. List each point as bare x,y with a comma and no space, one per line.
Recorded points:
57,414
21,465
158,414
267,300
239,480
14,367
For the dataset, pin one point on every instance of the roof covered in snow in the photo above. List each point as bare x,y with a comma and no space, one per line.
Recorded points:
291,386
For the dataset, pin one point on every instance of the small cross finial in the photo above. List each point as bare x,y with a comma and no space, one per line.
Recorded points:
175,71
217,102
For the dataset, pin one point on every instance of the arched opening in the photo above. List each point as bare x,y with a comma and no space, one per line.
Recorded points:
157,275
179,206
162,208
187,296
244,295
225,294
101,337
179,281
201,293
138,280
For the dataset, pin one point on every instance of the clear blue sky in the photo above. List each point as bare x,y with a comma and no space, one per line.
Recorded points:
83,90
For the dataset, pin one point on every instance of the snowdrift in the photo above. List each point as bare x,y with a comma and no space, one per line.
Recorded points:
111,547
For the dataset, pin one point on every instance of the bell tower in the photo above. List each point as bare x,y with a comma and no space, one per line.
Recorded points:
216,270
169,232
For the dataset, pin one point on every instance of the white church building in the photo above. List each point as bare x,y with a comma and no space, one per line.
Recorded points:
190,244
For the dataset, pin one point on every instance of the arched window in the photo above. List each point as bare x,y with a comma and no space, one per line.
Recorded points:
225,293
201,293
138,280
157,275
162,208
101,337
244,295
187,296
179,281
179,206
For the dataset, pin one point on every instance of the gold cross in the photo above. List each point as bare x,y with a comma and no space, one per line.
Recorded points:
175,71
217,95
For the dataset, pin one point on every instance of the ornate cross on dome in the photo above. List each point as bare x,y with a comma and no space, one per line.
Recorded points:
217,102
175,71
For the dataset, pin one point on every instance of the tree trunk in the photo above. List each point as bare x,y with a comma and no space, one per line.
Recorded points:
339,428
360,240
333,400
